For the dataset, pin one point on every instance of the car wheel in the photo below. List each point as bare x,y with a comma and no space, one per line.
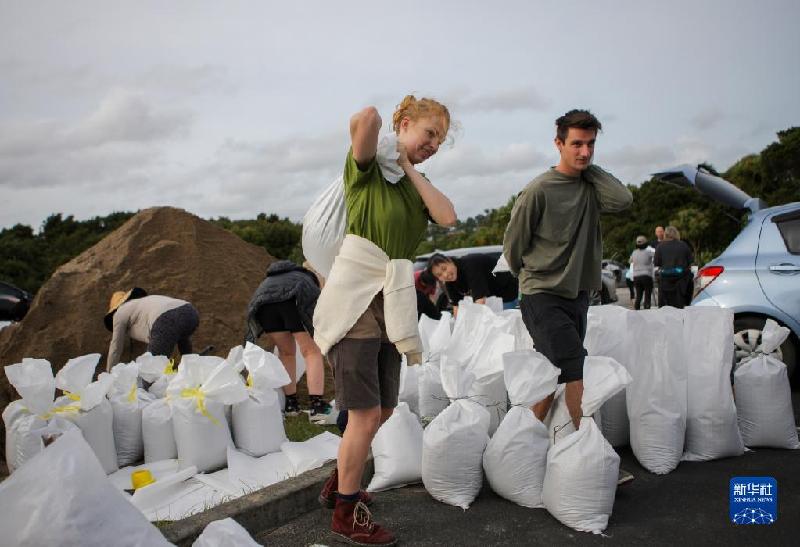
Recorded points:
747,337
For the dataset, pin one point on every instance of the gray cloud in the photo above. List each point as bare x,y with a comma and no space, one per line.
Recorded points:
507,100
118,139
707,119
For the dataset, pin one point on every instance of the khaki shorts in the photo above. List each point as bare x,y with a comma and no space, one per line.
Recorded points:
366,366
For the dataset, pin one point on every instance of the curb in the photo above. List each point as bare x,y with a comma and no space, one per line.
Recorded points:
262,510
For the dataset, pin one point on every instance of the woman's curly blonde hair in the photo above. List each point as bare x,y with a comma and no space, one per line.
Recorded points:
412,108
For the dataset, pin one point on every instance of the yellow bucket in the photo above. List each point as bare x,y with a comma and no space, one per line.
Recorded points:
142,478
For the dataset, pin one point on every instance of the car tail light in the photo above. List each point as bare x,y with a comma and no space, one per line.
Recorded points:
706,275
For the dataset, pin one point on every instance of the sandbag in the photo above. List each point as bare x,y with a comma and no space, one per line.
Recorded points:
313,453
608,334
198,394
409,386
127,401
763,394
254,473
157,432
580,482
225,533
516,456
453,443
397,451
657,397
258,421
712,430
29,420
63,497
432,398
94,415
157,370
323,227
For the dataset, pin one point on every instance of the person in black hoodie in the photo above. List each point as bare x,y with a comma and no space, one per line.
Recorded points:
471,275
674,259
283,307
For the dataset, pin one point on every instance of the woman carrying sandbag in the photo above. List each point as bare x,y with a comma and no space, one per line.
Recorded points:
283,307
366,315
159,321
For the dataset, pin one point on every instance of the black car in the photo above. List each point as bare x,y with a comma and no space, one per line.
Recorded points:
14,302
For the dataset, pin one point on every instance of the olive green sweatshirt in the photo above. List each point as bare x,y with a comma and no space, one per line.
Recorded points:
553,241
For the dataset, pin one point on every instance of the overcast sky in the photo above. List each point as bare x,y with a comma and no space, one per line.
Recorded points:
234,108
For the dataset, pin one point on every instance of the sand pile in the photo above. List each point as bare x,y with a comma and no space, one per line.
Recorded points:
164,251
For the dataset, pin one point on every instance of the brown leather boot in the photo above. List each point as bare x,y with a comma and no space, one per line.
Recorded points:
327,498
352,522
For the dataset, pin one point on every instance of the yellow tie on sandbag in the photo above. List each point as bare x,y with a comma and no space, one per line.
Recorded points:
72,396
197,394
170,368
249,380
61,410
132,394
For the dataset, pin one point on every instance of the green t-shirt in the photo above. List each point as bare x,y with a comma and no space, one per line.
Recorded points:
392,216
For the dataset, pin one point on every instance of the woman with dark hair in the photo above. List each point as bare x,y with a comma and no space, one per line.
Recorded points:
471,275
425,284
674,259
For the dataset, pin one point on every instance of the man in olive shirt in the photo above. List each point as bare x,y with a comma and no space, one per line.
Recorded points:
553,244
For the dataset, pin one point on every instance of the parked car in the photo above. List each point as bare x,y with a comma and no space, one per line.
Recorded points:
14,302
758,275
606,295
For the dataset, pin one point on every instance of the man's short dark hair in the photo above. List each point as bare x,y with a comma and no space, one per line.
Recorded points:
580,119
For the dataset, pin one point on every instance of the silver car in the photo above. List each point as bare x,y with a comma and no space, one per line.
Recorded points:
758,275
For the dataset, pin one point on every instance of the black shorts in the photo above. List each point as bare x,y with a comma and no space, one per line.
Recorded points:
558,327
280,317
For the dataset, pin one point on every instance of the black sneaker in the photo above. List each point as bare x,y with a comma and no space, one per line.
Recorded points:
292,407
319,411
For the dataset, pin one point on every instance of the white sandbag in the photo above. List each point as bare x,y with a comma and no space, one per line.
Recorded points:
253,473
34,417
439,338
258,421
95,417
127,401
494,303
323,227
712,430
763,395
489,388
397,451
432,398
580,482
409,386
608,334
558,421
157,370
157,432
198,395
312,453
511,322
62,497
453,443
225,533
516,456
657,397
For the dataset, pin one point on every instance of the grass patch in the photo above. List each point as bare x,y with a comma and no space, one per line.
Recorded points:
299,429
